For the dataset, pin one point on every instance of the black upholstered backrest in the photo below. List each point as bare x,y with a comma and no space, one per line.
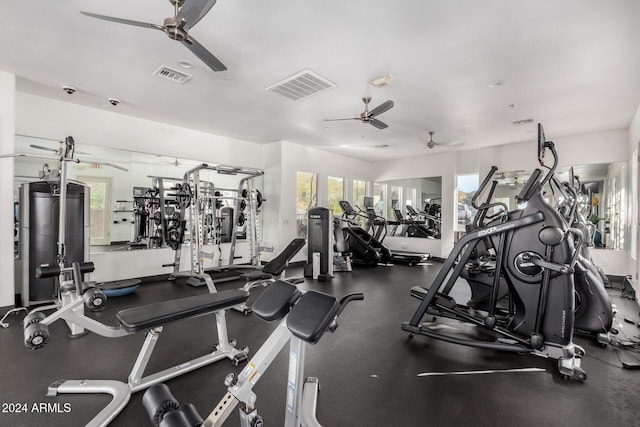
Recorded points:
276,301
279,263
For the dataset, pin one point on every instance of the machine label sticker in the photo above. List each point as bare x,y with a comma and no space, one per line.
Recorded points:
247,371
254,378
290,394
293,368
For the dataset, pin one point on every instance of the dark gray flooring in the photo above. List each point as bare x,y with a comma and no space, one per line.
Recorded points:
368,368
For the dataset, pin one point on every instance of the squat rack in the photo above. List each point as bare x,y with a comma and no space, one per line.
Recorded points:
195,196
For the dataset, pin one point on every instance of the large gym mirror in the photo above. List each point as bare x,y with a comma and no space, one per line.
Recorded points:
116,190
606,182
406,202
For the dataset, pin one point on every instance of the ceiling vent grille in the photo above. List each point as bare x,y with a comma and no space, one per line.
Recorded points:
301,85
172,74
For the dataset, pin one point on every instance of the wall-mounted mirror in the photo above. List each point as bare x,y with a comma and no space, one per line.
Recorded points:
412,207
116,196
606,183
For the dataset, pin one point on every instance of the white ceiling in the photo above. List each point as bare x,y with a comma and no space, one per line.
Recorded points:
573,65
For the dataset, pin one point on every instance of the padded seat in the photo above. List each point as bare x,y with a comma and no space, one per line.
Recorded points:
311,316
153,315
276,301
277,265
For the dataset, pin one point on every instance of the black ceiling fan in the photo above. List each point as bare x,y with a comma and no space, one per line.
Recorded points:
187,13
369,116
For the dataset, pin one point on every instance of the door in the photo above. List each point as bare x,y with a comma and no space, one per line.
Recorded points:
99,212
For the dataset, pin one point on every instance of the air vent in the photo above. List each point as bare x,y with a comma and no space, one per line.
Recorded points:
172,74
301,85
522,122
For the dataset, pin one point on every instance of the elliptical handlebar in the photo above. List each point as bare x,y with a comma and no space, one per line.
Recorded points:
484,183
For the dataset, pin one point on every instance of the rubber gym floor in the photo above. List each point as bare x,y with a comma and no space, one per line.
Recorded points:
369,370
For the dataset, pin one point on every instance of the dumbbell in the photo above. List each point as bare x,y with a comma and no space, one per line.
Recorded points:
164,410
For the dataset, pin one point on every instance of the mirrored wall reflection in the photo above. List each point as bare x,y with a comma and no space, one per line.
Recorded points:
412,207
607,183
116,196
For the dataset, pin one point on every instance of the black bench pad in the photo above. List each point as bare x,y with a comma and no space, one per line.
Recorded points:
279,263
153,315
276,301
256,275
311,316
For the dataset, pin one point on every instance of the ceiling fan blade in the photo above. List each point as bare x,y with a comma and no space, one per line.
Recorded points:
377,123
193,11
338,120
451,144
122,21
40,147
385,106
205,56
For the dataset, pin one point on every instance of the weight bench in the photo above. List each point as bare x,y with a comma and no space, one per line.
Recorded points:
150,318
303,319
271,271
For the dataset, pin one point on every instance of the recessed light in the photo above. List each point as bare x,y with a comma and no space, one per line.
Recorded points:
184,64
496,83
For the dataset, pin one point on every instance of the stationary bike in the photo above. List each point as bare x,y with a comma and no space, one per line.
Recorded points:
535,254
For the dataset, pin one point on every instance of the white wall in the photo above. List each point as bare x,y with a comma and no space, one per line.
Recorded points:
7,122
50,118
56,119
634,142
283,160
99,127
439,164
601,147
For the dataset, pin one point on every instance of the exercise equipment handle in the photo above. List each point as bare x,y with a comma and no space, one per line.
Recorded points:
54,270
484,183
359,296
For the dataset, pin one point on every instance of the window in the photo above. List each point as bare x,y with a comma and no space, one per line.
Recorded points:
394,201
467,188
306,197
411,199
335,194
99,213
379,196
359,191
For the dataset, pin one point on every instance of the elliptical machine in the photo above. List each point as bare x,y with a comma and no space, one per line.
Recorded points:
365,248
594,313
535,253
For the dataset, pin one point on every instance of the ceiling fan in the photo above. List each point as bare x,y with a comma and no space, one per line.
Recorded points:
369,116
187,13
510,179
59,151
432,144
